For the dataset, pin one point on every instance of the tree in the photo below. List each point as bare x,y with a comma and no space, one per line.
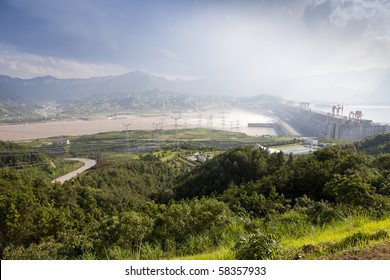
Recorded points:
350,189
134,228
239,165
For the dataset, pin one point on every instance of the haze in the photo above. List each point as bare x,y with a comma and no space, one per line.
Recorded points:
258,44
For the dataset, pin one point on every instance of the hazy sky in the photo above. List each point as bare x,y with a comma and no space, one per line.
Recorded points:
255,40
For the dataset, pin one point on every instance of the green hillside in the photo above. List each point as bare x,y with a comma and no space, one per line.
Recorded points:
245,203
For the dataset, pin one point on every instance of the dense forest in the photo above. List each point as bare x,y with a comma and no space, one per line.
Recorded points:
245,203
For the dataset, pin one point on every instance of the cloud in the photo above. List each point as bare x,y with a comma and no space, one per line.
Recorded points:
374,14
355,33
25,65
360,17
261,41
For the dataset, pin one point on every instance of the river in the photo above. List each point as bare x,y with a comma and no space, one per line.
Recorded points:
224,119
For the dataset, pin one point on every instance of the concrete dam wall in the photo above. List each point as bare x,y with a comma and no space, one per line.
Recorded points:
326,125
355,131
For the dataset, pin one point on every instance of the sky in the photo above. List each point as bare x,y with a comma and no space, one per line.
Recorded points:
257,41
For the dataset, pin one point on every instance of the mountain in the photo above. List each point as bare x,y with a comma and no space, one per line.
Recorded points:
369,87
49,88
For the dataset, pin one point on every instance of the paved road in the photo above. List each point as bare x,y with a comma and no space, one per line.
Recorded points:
88,163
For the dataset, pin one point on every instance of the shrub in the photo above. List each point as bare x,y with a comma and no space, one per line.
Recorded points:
321,212
43,251
258,246
350,189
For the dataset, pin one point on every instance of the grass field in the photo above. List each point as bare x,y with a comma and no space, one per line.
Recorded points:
347,237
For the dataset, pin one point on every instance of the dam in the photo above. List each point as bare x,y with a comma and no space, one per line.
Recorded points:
333,125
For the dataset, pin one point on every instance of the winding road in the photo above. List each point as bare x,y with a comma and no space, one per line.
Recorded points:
88,163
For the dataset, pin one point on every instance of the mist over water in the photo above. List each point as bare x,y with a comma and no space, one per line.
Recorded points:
231,120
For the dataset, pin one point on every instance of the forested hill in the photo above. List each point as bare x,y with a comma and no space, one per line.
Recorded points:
334,174
246,203
375,145
14,155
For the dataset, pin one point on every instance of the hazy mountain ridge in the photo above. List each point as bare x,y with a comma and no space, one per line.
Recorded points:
49,88
52,98
365,87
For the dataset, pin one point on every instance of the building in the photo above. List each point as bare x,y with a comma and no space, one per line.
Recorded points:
61,142
202,158
310,142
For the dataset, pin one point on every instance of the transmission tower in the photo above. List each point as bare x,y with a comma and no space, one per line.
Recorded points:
162,123
176,125
153,135
200,121
127,136
237,124
176,119
223,122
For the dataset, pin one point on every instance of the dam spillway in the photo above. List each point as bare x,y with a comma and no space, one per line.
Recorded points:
311,123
